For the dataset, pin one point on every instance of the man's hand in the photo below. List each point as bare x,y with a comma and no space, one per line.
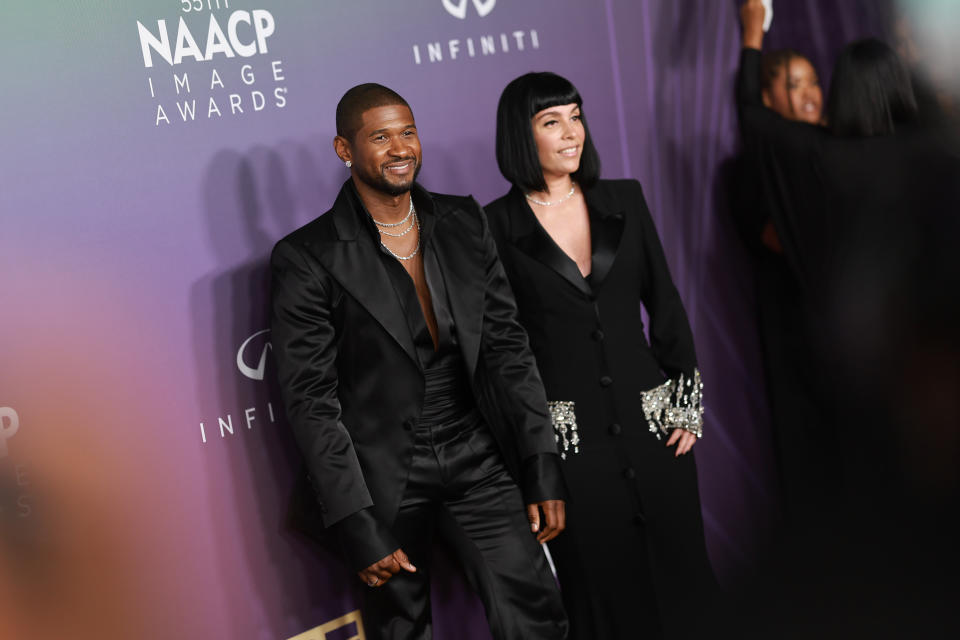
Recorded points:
554,519
751,17
685,439
377,574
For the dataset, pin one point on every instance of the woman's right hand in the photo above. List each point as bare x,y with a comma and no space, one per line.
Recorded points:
751,17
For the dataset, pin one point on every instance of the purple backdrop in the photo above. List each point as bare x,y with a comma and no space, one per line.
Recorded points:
134,252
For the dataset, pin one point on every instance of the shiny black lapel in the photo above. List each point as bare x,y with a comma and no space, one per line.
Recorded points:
606,230
355,262
531,238
463,273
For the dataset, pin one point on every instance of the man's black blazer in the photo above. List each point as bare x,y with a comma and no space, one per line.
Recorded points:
350,379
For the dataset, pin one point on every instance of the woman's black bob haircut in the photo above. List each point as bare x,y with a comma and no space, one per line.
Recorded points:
516,150
871,92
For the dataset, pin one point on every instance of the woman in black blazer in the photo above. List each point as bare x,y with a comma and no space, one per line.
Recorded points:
582,256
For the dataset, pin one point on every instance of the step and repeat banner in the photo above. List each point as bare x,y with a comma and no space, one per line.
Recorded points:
152,154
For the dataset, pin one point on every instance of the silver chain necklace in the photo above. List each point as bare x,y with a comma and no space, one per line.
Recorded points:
413,222
389,225
416,249
573,189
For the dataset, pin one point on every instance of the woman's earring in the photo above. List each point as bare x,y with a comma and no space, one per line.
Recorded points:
348,164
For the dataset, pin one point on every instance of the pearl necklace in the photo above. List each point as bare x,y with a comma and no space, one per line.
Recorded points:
573,189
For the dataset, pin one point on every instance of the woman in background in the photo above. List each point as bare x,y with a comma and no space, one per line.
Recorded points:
867,210
789,87
868,213
816,179
582,256
835,195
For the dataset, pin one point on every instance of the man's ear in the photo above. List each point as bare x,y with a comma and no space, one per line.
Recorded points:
766,98
342,148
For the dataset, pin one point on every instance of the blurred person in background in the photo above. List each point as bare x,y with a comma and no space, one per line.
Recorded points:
935,87
869,208
582,256
790,87
73,540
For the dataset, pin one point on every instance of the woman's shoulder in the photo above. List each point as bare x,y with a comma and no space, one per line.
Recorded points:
622,194
502,210
502,205
621,186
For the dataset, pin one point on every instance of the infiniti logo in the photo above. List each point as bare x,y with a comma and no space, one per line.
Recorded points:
253,372
252,363
462,48
458,9
9,423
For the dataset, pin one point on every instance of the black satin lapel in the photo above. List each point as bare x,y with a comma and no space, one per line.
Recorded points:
539,245
530,237
606,229
462,271
357,267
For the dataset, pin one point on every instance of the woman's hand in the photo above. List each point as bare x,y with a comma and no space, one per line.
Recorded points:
751,17
684,441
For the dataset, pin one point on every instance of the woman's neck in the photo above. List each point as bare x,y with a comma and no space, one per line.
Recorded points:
557,187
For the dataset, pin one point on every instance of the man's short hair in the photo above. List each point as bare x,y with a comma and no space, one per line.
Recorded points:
360,99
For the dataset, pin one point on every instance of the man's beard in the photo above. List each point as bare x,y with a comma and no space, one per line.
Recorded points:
380,183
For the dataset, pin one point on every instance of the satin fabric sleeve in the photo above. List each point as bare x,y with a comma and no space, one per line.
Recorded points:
542,478
505,349
304,346
671,339
364,539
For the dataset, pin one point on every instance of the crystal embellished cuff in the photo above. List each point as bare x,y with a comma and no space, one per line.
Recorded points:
675,404
564,420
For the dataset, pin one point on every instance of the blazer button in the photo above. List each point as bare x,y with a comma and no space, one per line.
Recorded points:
598,335
606,381
408,424
615,429
629,473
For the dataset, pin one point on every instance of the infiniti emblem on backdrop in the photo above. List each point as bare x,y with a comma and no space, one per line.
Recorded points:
248,353
458,8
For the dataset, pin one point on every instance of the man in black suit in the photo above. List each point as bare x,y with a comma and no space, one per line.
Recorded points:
411,389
